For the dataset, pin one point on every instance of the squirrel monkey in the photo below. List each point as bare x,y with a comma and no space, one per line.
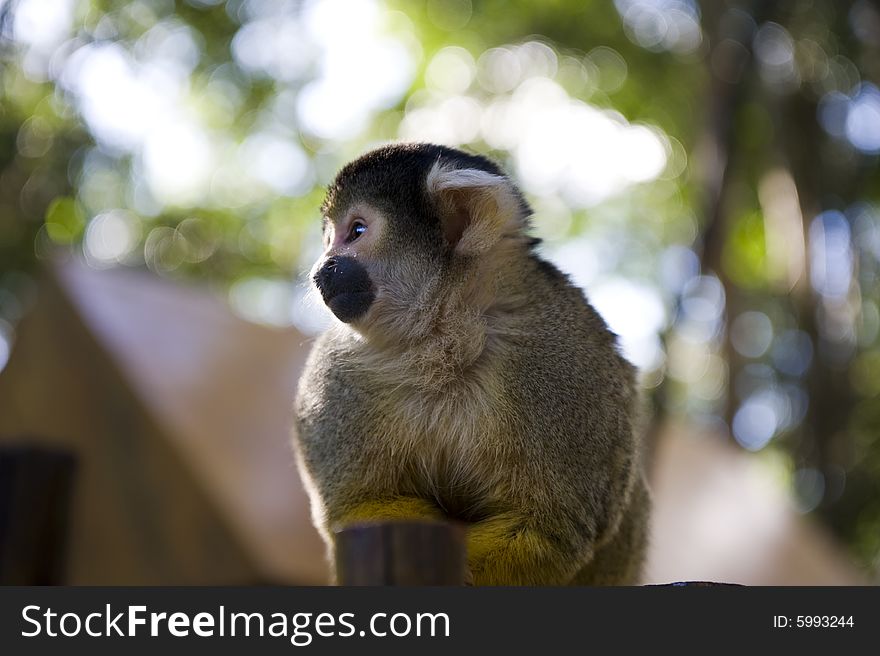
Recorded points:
466,378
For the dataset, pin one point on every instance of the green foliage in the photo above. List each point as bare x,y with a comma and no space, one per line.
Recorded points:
745,252
65,221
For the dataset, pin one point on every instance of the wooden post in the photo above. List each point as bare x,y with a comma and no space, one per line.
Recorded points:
35,489
414,553
401,553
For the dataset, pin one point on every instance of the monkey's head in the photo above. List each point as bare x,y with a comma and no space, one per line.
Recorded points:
410,228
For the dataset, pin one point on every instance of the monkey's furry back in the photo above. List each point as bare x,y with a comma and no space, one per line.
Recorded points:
517,419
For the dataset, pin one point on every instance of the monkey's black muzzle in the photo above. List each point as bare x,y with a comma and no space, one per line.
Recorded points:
345,287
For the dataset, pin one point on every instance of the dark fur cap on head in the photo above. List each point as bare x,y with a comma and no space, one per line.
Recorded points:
394,177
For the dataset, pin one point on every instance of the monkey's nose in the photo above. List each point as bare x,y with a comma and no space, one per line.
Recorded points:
345,286
342,275
325,273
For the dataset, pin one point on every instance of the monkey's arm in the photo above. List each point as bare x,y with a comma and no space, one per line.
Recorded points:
572,463
515,549
390,508
543,549
547,524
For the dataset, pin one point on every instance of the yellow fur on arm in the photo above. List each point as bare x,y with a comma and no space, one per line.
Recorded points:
389,509
504,550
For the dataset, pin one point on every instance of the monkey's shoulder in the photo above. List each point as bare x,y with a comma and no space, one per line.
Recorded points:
562,320
559,352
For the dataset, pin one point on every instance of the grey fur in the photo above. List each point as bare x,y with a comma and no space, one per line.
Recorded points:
482,387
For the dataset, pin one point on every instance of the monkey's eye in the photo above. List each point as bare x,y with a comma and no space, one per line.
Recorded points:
357,229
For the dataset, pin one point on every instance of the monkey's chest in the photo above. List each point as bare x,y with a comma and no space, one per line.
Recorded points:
451,451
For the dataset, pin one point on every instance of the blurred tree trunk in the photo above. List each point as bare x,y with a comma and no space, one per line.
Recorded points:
798,134
715,157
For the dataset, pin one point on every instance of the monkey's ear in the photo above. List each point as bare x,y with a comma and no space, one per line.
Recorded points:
476,208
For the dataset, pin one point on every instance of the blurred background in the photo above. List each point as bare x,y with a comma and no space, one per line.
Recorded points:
706,171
